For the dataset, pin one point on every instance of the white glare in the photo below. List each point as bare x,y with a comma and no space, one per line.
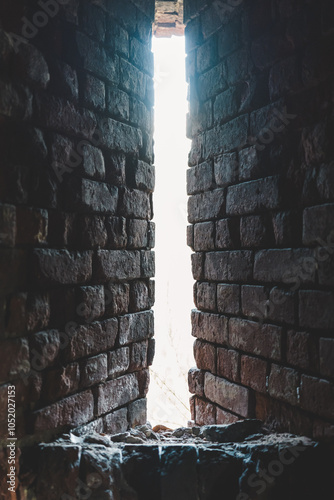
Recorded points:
168,397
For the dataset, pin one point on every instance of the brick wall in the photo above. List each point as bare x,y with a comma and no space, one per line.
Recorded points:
76,97
261,212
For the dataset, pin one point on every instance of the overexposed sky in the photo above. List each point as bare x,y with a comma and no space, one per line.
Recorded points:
168,397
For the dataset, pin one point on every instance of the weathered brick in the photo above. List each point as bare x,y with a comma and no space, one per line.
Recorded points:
226,105
206,206
281,306
135,327
224,237
118,103
118,136
206,296
116,232
7,225
226,169
197,265
72,411
15,359
212,82
93,90
93,162
117,298
228,298
249,167
205,412
227,394
317,223
253,196
64,80
196,381
317,395
326,355
61,382
147,263
87,340
216,266
117,37
137,233
252,337
302,350
253,373
132,79
61,267
91,302
316,309
228,364
209,327
140,296
116,393
204,236
206,55
283,384
224,138
137,412
141,175
92,196
253,231
287,266
205,356
200,178
283,225
44,349
95,59
116,421
118,361
224,417
232,266
136,204
118,264
138,355
94,370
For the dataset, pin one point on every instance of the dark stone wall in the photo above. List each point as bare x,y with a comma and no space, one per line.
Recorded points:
76,182
261,211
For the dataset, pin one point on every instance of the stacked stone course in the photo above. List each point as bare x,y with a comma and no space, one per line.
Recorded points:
261,212
76,186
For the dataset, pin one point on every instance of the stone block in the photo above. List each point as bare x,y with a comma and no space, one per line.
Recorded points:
209,327
118,361
135,327
61,267
254,338
227,394
94,370
253,373
116,393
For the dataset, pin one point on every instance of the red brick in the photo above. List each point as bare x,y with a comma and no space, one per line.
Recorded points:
249,336
116,421
326,354
61,382
143,377
196,381
302,350
91,302
231,396
93,370
223,417
210,327
206,296
72,411
206,206
137,412
116,393
136,327
228,364
205,356
254,301
91,339
284,384
205,413
254,373
228,298
317,396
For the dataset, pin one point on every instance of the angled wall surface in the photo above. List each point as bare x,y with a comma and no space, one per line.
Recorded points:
76,98
261,212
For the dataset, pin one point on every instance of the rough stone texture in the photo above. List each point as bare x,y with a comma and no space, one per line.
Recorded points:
261,204
76,108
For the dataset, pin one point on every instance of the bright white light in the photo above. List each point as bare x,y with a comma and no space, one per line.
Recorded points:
168,397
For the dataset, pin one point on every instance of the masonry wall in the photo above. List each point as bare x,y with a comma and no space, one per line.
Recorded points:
76,97
261,212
